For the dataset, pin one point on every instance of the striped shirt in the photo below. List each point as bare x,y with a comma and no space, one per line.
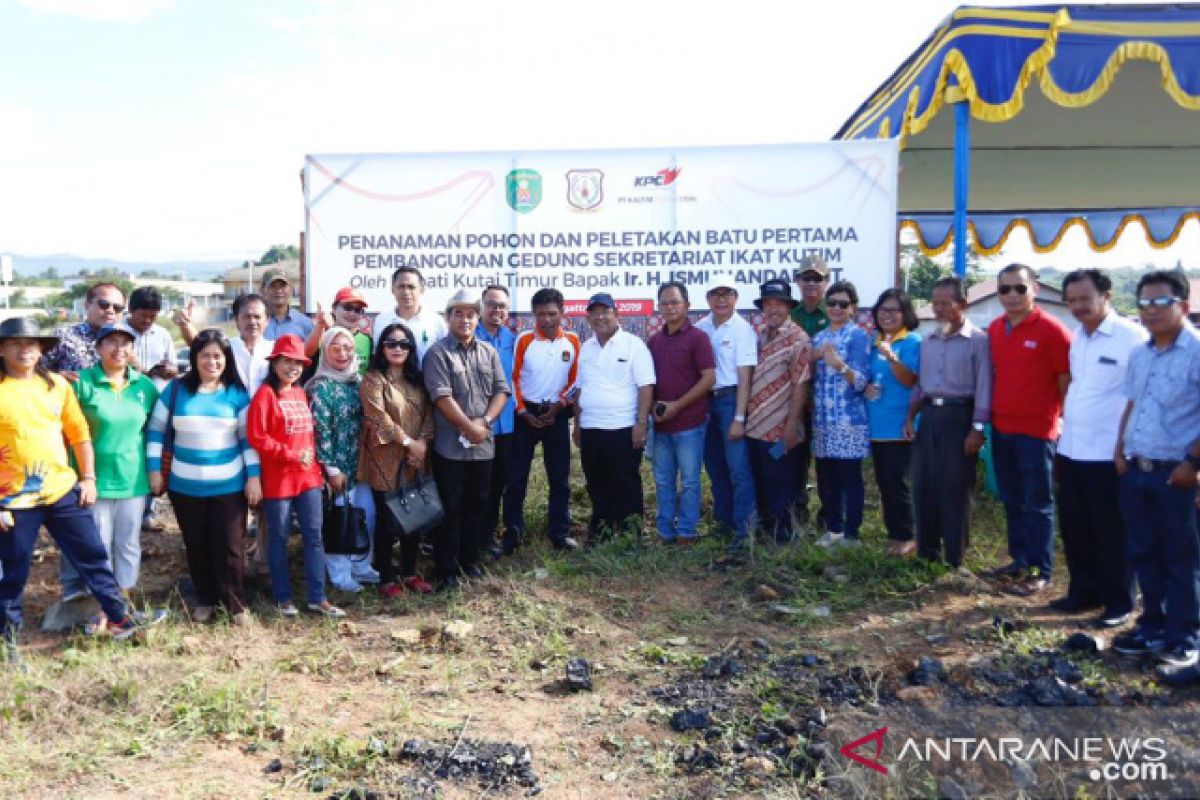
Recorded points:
782,369
211,454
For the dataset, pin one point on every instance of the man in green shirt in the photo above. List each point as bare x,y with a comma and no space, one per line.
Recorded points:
812,278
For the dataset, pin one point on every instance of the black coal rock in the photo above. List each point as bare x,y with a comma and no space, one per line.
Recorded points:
689,719
579,675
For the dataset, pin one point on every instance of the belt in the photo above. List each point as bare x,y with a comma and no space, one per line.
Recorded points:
950,401
722,392
1152,464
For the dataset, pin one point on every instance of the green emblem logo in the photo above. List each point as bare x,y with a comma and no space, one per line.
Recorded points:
523,190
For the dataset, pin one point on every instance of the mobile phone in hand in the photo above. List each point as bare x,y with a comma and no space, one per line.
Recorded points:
660,409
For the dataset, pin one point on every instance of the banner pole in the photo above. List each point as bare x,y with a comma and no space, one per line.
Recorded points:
962,164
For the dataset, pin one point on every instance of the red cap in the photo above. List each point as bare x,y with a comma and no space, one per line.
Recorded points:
348,295
290,346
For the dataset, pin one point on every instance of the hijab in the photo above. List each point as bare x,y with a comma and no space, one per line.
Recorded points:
325,369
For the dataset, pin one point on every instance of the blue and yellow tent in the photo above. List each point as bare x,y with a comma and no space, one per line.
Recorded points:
1060,115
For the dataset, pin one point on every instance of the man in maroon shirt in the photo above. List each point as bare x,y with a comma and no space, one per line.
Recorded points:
685,370
1030,356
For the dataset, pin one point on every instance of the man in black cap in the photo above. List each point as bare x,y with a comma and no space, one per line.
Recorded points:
616,386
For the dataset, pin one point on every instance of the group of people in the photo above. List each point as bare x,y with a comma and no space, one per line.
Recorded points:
294,414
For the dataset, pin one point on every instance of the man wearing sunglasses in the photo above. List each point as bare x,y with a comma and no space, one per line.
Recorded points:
1030,356
809,314
76,348
1157,456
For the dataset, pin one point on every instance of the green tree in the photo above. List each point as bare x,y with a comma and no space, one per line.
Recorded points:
280,252
922,272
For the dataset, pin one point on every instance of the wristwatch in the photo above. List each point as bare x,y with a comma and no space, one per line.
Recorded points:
488,420
739,418
979,426
845,370
405,442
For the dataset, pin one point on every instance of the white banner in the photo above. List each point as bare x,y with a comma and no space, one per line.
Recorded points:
585,221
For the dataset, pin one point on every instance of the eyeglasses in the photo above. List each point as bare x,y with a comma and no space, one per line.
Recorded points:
397,344
494,305
354,309
722,293
1019,288
838,303
105,305
812,277
1162,301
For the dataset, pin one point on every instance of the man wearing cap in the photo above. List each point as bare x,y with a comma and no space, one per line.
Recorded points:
493,329
545,367
813,279
685,371
775,410
76,348
282,319
616,387
735,346
465,380
349,312
427,326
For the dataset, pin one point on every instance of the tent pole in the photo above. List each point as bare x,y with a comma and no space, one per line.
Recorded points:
962,163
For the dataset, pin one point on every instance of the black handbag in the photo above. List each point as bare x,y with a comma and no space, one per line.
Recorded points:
415,505
344,529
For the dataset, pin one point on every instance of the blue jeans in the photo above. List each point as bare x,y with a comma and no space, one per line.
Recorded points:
676,464
276,514
73,529
843,494
1023,470
728,465
1164,551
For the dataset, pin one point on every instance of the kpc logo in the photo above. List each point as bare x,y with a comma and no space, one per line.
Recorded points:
664,177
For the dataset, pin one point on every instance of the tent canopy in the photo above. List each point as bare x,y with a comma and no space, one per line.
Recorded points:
1081,115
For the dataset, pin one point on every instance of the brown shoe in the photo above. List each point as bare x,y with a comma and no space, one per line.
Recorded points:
1028,587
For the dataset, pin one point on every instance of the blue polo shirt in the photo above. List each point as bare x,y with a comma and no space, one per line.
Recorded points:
505,342
1164,386
296,323
887,413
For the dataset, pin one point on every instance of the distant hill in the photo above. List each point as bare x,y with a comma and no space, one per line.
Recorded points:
68,264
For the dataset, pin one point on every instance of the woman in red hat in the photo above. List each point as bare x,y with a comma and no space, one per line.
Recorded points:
280,428
349,312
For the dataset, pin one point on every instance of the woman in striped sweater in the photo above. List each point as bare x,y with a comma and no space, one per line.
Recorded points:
213,471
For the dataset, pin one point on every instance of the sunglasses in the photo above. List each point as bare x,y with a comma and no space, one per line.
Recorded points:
812,277
105,305
354,309
1163,301
397,344
838,303
1019,288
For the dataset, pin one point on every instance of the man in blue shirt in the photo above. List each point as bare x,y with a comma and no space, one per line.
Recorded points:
281,317
1157,456
493,329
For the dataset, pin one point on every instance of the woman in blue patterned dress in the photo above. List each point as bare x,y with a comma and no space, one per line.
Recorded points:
841,432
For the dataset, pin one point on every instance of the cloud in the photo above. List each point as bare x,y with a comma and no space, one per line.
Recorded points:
102,10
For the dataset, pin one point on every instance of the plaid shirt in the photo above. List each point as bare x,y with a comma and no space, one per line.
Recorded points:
76,349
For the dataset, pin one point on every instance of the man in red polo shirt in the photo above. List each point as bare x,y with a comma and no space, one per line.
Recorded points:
1031,359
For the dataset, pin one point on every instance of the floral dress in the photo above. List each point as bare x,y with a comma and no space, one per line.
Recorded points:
338,421
840,425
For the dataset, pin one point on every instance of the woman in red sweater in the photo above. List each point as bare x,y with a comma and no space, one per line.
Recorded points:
280,428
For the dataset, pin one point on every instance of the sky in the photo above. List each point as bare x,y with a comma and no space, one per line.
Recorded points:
176,129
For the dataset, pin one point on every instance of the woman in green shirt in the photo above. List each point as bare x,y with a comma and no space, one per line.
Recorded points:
117,400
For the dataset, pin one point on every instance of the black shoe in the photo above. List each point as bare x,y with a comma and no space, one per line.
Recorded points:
510,541
473,571
1010,571
1070,605
447,584
1137,644
565,543
1178,676
496,552
1028,587
1111,620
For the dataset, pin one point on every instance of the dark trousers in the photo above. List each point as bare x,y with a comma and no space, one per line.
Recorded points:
212,529
74,531
893,464
943,480
463,486
1093,534
775,485
1023,476
491,518
804,458
1164,549
387,531
612,469
843,494
556,458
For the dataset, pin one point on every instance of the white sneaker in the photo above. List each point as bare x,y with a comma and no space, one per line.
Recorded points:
354,587
78,594
830,539
367,575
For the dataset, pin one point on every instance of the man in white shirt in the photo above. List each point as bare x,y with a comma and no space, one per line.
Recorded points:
1089,513
427,326
153,349
250,349
726,456
616,387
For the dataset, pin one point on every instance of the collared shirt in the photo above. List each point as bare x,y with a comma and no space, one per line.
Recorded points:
544,370
1096,397
37,422
117,420
152,347
813,322
472,375
427,327
610,375
782,369
958,365
1164,386
840,428
734,343
76,349
679,358
295,322
888,411
504,341
252,367
1028,359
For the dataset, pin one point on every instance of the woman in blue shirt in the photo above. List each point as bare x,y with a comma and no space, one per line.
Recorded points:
840,429
895,361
